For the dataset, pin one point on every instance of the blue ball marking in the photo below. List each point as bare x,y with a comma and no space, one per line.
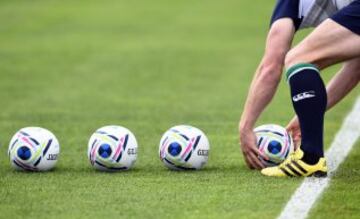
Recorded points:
174,149
24,153
105,150
274,147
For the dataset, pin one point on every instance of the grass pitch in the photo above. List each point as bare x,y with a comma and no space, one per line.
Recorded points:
73,67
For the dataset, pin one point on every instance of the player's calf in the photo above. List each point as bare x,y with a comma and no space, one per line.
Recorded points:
309,100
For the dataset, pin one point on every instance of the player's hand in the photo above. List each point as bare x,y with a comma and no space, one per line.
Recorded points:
249,149
294,129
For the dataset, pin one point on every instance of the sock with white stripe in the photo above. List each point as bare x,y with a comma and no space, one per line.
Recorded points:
309,100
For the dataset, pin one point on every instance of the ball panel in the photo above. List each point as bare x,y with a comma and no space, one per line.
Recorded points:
274,143
34,149
112,148
184,147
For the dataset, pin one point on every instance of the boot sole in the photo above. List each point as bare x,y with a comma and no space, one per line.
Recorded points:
319,174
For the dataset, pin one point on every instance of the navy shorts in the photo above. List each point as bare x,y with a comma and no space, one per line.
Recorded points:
287,9
349,17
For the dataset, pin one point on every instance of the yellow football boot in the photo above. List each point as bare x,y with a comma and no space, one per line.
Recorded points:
293,166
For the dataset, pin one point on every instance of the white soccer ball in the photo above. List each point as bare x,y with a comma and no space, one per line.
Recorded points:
112,148
184,147
274,142
34,149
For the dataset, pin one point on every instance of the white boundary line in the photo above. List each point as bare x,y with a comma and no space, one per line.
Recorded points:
310,190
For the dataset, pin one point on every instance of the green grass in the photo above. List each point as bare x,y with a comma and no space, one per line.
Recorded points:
341,199
74,66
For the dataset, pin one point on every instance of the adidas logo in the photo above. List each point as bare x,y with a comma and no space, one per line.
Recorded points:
304,95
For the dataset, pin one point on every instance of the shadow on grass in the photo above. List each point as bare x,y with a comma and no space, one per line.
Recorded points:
143,170
152,172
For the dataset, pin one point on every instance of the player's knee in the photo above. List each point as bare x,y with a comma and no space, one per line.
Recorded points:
305,53
292,58
297,56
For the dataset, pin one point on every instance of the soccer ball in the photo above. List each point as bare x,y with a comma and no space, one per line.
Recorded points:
112,148
33,149
184,147
274,143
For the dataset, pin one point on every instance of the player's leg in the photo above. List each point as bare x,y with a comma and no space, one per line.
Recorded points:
336,39
343,82
340,85
328,44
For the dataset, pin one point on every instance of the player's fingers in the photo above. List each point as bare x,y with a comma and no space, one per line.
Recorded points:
249,164
258,153
247,161
297,141
295,135
289,127
252,163
293,124
256,162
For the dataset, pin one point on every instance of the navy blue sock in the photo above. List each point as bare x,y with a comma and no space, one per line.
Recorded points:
309,100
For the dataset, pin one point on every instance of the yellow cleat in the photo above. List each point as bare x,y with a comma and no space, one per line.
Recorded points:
293,166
